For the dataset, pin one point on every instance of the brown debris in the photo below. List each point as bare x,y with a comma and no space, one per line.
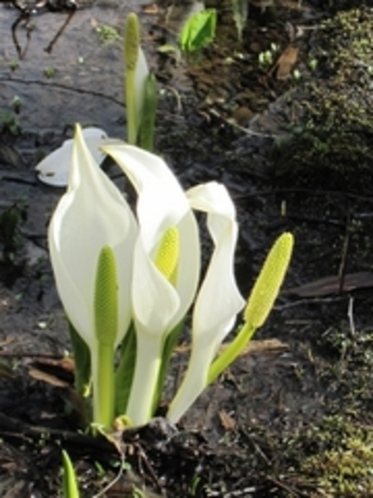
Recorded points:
332,285
228,423
286,62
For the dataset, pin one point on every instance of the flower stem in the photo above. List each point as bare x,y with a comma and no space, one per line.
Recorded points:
103,388
145,381
230,353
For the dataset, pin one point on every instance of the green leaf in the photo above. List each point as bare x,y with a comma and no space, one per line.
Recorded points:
82,360
198,31
146,132
70,486
125,371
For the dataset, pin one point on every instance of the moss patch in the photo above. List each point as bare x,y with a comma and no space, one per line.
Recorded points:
332,145
344,463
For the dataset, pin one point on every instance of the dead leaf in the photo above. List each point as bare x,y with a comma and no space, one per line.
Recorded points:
227,422
151,9
286,62
47,378
332,285
57,372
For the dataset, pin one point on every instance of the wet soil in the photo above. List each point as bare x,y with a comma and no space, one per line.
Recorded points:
292,417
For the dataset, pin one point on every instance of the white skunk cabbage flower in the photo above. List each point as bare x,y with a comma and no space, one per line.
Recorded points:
91,215
218,300
159,302
155,261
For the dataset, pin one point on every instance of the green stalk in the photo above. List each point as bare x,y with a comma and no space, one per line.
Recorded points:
103,385
131,52
70,486
230,353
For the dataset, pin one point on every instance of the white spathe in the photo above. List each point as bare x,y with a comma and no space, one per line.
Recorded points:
141,74
218,300
90,215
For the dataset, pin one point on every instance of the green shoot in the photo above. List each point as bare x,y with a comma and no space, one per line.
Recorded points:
70,486
198,31
131,54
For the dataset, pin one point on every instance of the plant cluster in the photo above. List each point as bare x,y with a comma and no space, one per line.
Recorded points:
130,281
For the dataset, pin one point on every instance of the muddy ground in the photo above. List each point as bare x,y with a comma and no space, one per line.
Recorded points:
291,139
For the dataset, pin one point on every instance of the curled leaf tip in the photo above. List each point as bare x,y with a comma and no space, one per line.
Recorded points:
267,286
